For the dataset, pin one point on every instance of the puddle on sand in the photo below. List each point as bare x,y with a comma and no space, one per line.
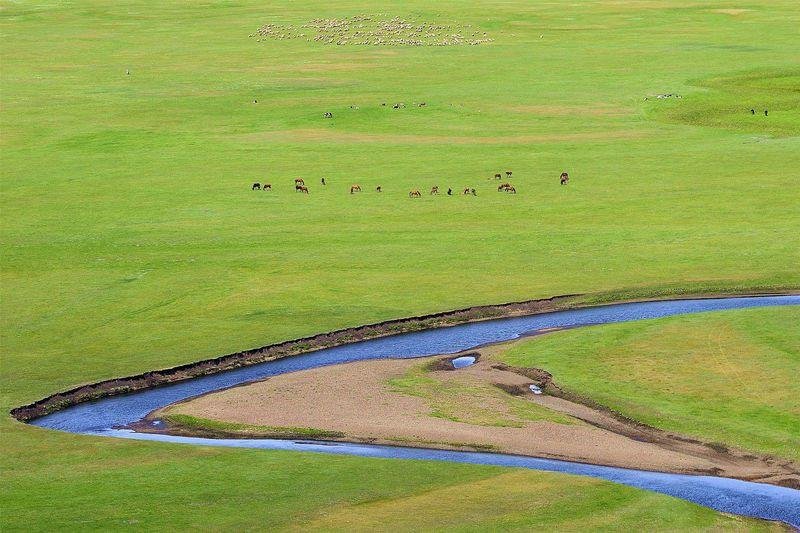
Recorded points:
461,362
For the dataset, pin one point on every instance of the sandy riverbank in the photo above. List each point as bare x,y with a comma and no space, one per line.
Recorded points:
422,402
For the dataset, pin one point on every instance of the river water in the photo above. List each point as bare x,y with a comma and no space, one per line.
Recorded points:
101,417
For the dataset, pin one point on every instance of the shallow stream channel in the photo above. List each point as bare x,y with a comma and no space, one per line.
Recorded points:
103,417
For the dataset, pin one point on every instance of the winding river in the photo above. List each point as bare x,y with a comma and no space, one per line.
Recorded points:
103,416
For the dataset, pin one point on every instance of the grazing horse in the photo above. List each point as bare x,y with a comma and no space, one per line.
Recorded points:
508,173
256,187
328,114
449,191
466,191
299,181
301,188
266,186
435,189
503,187
564,178
355,188
511,189
472,191
323,181
378,189
415,194
497,176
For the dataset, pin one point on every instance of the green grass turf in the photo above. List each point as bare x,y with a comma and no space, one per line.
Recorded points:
728,377
131,239
473,402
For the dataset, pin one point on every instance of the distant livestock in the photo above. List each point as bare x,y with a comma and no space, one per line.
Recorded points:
415,194
301,188
564,178
355,188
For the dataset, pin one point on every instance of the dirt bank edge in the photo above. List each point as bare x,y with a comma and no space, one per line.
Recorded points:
155,378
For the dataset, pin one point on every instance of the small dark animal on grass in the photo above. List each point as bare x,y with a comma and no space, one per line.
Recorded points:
301,188
766,113
299,181
449,191
328,114
435,189
415,194
378,189
503,187
752,111
266,186
508,173
256,187
355,188
511,189
564,178
422,104
497,176
323,181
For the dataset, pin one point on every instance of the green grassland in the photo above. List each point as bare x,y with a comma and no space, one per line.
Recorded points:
131,241
728,377
471,402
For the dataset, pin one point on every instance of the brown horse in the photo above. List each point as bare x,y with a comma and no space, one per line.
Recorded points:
435,189
378,189
503,187
466,191
299,181
508,173
511,189
497,176
415,194
301,188
256,187
564,178
266,186
355,188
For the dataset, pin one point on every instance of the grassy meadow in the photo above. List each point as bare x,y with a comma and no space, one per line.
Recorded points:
728,377
131,239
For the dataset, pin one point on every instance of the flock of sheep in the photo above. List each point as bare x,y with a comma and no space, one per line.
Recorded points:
375,30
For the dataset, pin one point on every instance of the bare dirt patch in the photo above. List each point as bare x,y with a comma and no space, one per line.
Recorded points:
576,111
337,136
731,11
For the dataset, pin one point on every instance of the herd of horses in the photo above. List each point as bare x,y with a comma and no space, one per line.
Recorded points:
300,186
